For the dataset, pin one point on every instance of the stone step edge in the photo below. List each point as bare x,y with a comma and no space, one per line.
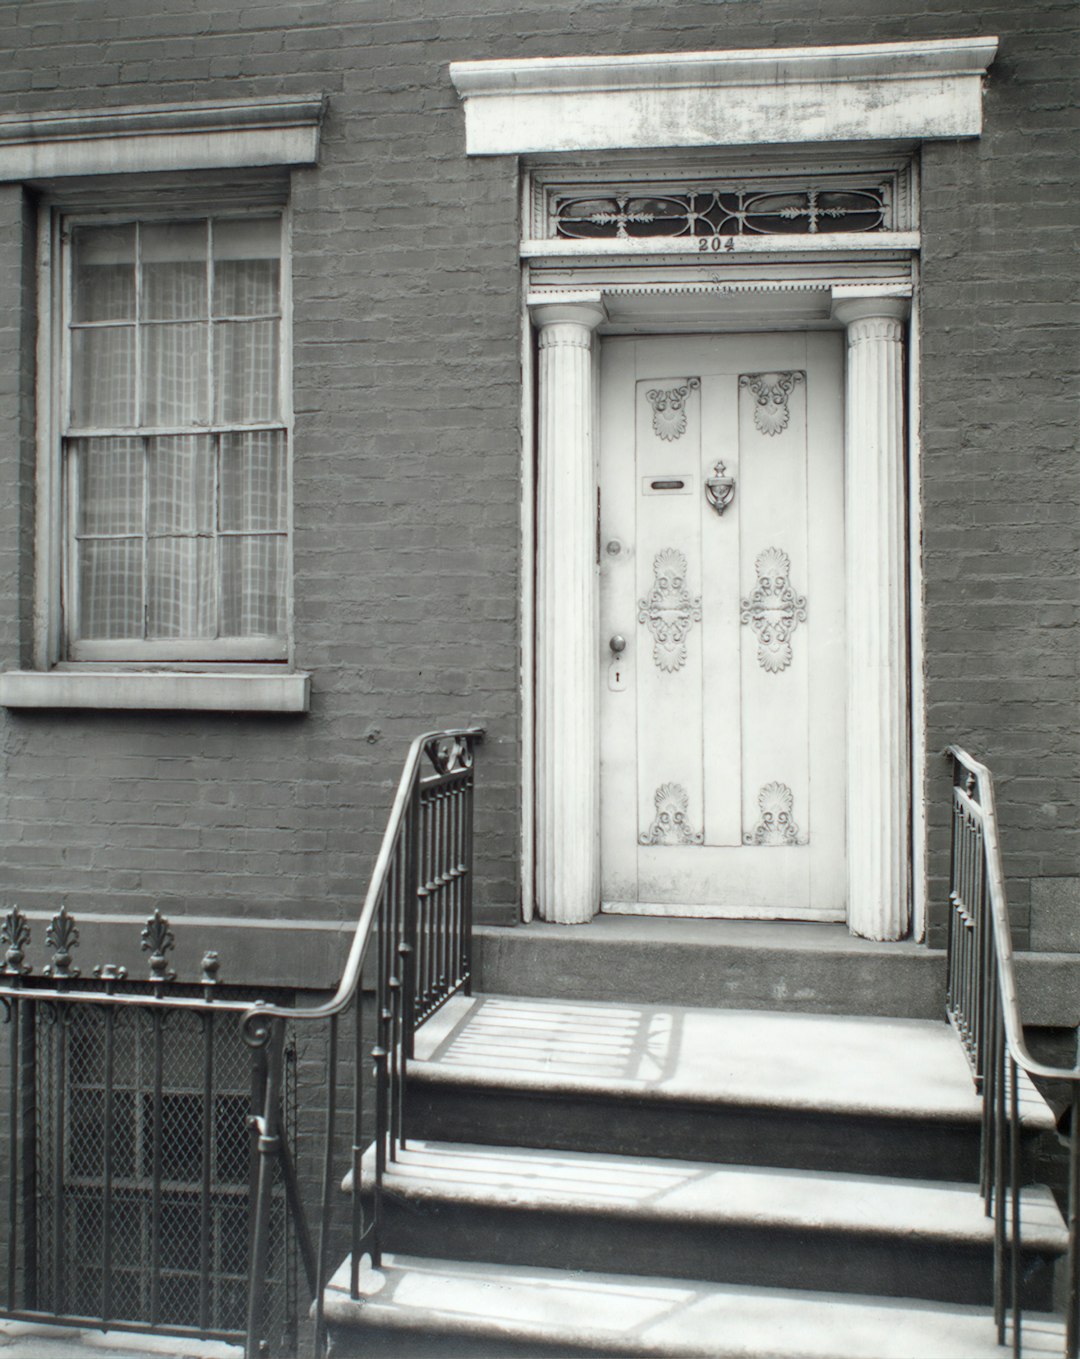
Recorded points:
1036,1115
1043,1229
690,1321
1036,1118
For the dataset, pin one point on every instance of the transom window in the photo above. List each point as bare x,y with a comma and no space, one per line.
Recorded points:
701,200
175,441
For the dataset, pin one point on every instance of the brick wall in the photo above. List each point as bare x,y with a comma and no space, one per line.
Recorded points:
406,468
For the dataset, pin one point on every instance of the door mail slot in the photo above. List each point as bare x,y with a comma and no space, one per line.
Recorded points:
683,485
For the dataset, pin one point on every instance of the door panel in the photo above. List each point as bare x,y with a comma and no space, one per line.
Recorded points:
722,718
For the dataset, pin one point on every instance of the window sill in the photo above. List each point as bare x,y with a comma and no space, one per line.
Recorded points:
163,690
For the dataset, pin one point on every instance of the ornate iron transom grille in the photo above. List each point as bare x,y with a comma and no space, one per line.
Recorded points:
706,212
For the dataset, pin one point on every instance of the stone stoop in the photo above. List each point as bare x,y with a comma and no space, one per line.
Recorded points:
618,1179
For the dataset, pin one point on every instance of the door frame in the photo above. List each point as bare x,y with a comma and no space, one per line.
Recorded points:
847,98
857,289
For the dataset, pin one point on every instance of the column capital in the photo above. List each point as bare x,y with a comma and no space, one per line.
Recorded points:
585,309
878,307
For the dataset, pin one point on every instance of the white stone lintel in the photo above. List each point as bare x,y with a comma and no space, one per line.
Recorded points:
754,96
209,691
200,135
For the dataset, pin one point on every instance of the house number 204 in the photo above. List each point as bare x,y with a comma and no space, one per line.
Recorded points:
714,244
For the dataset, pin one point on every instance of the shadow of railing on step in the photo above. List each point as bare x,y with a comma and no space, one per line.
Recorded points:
983,1006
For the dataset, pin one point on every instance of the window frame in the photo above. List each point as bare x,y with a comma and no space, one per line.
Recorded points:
56,641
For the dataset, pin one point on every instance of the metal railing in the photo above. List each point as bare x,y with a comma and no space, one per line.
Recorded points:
161,1171
126,1145
413,944
983,1006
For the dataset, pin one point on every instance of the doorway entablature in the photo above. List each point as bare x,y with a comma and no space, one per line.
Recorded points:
670,208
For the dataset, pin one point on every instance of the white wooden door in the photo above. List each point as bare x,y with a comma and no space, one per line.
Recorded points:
722,716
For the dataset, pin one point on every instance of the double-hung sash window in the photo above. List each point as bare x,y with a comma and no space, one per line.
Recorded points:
175,440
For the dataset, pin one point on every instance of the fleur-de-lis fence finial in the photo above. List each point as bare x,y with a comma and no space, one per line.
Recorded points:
157,940
15,936
62,936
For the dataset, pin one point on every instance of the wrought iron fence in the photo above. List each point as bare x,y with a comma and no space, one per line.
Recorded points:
983,1006
159,1171
128,1155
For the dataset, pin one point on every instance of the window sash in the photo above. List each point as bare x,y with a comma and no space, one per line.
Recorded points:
263,351
210,552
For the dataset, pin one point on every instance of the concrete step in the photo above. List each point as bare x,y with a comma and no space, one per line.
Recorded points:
825,1092
743,964
436,1309
725,1224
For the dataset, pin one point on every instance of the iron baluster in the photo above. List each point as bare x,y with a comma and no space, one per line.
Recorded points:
1014,1186
328,1186
1072,1273
414,942
266,1132
60,1150
469,789
378,1057
27,1140
108,1143
207,1133
14,1068
445,880
157,1133
356,1224
999,1181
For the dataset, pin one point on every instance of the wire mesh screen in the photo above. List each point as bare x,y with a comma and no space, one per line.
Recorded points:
144,1170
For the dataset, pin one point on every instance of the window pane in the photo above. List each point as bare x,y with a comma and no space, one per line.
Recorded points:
246,370
174,377
246,267
253,587
110,588
103,278
253,481
110,485
173,270
103,377
181,471
180,592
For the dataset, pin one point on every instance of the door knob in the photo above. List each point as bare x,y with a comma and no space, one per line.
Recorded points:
617,644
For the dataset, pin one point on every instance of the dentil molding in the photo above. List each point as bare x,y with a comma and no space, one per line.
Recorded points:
866,92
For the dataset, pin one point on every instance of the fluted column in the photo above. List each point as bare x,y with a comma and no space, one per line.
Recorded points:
567,666
878,828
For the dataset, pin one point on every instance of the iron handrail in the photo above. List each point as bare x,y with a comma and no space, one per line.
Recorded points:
1010,1001
984,1006
417,920
354,964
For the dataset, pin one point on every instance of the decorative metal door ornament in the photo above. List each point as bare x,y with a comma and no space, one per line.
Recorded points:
669,611
773,610
669,408
719,489
777,825
771,392
670,824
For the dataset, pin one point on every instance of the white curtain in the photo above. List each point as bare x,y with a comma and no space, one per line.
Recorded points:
180,535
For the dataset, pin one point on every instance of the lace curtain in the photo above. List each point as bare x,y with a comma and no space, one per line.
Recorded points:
181,517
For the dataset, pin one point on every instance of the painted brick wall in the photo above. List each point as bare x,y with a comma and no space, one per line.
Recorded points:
406,468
